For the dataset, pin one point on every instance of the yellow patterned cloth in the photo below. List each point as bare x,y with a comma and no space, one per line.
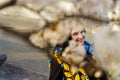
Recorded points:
68,74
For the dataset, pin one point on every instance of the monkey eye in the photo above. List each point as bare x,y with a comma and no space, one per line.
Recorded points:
75,33
83,31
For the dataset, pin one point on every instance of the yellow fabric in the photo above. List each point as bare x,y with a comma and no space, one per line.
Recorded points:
66,67
71,75
56,55
67,74
48,65
59,60
77,77
69,79
83,77
73,72
82,71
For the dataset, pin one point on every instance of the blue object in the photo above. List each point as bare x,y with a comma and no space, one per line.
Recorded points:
88,47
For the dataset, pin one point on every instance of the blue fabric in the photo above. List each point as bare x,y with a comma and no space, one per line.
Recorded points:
63,78
55,51
88,47
58,49
49,60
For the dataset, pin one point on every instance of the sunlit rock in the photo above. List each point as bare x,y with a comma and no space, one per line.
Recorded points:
35,5
107,41
48,32
37,39
19,11
4,3
21,19
114,14
67,7
21,25
95,8
51,13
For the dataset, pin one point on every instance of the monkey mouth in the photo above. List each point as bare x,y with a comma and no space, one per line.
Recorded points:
80,40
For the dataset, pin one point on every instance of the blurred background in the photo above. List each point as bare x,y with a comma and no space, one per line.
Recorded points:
29,29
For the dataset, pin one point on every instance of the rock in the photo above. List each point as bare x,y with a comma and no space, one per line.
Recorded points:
107,41
4,3
51,13
3,57
37,39
20,25
21,19
19,11
10,72
35,5
114,14
95,9
67,7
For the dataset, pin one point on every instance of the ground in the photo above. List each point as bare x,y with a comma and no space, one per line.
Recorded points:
10,72
24,56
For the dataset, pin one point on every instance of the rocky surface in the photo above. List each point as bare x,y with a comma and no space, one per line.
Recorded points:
10,72
21,54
